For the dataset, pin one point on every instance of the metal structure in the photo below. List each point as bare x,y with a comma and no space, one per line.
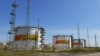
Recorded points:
88,38
78,36
28,13
38,22
96,44
12,21
27,21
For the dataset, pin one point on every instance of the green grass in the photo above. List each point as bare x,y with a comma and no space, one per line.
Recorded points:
30,53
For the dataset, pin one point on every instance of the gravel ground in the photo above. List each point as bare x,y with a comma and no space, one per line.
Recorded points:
65,54
52,54
91,54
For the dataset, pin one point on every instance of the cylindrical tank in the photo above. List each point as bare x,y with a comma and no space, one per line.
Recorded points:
24,33
78,44
27,38
62,42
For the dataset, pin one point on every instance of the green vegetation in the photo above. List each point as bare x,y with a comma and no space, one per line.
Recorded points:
30,53
83,50
14,53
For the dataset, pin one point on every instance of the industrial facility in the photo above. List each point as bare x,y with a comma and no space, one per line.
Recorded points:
49,28
28,37
65,42
25,37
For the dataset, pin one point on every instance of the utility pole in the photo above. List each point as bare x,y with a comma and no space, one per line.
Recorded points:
78,35
88,38
38,22
96,44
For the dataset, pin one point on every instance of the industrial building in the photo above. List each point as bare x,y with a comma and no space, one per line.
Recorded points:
65,42
28,38
78,43
62,42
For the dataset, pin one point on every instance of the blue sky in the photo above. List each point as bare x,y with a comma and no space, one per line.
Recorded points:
56,16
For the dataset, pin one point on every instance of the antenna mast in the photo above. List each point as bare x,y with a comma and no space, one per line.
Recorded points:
28,13
96,44
88,38
27,21
13,15
78,35
38,22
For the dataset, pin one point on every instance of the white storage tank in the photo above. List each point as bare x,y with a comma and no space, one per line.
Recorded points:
28,38
62,42
79,43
